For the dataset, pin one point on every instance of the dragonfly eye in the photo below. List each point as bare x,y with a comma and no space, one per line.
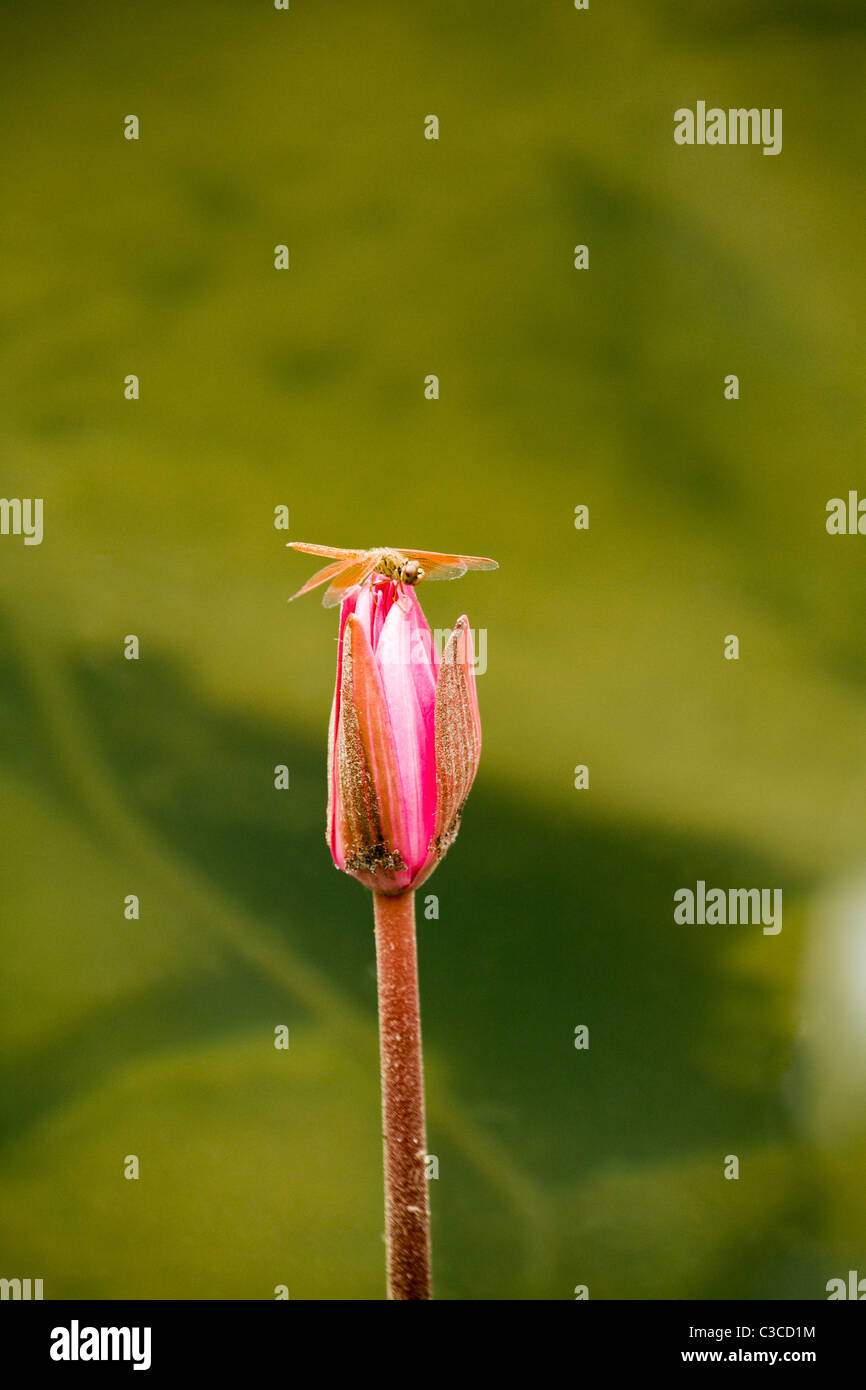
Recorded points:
412,572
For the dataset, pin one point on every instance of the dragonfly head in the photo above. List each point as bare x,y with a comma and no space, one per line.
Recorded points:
411,572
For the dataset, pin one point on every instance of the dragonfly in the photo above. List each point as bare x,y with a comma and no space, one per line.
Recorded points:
403,567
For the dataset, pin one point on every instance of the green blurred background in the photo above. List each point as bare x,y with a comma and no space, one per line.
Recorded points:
557,1167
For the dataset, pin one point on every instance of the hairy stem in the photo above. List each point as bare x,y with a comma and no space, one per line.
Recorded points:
407,1213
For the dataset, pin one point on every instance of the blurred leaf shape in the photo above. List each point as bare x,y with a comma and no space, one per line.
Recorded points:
257,1168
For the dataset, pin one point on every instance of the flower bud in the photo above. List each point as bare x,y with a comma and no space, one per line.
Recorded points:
404,742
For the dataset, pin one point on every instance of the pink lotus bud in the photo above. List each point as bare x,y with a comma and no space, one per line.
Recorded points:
404,743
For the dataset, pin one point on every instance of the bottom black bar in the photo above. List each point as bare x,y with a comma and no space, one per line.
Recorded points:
209,1338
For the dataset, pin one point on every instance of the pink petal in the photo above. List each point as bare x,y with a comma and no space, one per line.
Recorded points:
369,830
405,663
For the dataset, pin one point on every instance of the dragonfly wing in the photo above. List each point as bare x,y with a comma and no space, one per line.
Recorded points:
443,569
332,552
352,574
439,566
479,562
329,572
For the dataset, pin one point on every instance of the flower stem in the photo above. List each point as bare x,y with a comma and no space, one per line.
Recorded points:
407,1213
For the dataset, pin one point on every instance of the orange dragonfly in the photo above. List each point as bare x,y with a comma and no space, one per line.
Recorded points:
350,567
